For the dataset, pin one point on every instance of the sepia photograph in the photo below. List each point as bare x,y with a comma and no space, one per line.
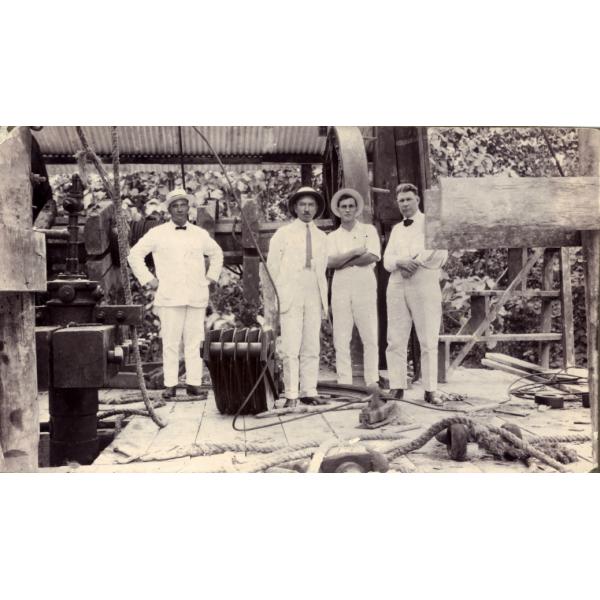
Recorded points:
299,299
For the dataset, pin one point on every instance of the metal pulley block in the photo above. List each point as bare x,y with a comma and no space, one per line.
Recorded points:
241,362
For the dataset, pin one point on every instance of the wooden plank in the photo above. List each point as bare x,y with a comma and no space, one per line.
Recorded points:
589,164
515,362
546,320
503,337
518,293
23,253
19,410
97,268
567,203
566,317
96,235
440,235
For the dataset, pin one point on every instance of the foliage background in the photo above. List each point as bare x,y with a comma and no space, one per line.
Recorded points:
454,152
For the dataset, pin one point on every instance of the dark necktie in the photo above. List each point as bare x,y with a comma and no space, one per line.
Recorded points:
180,227
308,247
407,222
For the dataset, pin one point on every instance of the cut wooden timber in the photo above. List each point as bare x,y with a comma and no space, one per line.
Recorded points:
566,203
566,317
589,165
23,260
517,257
491,316
97,230
502,337
385,175
517,293
441,235
492,364
19,410
515,362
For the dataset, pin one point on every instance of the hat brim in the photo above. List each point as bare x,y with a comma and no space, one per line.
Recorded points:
347,193
170,201
300,194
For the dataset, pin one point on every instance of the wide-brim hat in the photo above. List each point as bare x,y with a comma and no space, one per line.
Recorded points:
347,193
177,194
306,191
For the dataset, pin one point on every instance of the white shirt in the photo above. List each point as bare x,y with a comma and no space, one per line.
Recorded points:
409,242
287,259
341,241
179,260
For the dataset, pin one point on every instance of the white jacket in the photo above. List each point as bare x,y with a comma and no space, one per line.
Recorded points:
179,261
286,260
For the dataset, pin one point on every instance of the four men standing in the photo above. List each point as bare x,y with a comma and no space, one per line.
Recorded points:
299,254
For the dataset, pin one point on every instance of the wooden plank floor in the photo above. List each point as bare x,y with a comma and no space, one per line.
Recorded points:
199,421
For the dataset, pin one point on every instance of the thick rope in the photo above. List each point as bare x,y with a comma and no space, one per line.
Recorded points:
210,448
115,195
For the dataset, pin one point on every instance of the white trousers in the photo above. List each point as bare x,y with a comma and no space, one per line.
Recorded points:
419,300
300,339
177,323
354,302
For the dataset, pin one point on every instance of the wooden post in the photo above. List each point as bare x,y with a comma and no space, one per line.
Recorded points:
589,165
22,271
251,261
306,174
546,324
566,317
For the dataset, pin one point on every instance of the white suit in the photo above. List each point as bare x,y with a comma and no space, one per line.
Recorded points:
416,299
354,301
303,301
182,295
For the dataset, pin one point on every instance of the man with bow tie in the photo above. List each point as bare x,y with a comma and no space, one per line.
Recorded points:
413,295
182,282
297,261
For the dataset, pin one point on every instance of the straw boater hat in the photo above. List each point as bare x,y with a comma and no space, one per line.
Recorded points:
306,191
347,193
177,194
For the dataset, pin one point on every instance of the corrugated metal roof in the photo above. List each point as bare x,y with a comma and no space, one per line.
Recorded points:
159,141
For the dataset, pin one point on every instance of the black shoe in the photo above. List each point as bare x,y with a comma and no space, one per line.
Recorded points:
313,401
290,403
169,393
193,390
396,394
433,398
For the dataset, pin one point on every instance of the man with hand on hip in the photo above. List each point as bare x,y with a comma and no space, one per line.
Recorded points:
413,295
178,248
353,249
297,261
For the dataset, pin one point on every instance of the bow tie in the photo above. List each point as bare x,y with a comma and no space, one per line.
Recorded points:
180,227
407,222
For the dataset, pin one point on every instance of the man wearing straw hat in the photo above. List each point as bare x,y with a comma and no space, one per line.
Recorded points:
413,295
297,261
353,249
182,282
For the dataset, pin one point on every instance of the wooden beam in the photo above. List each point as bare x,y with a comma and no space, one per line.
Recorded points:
589,165
442,236
566,203
96,233
19,417
23,256
501,337
566,316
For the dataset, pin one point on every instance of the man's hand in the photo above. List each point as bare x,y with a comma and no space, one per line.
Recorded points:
407,264
153,284
212,284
